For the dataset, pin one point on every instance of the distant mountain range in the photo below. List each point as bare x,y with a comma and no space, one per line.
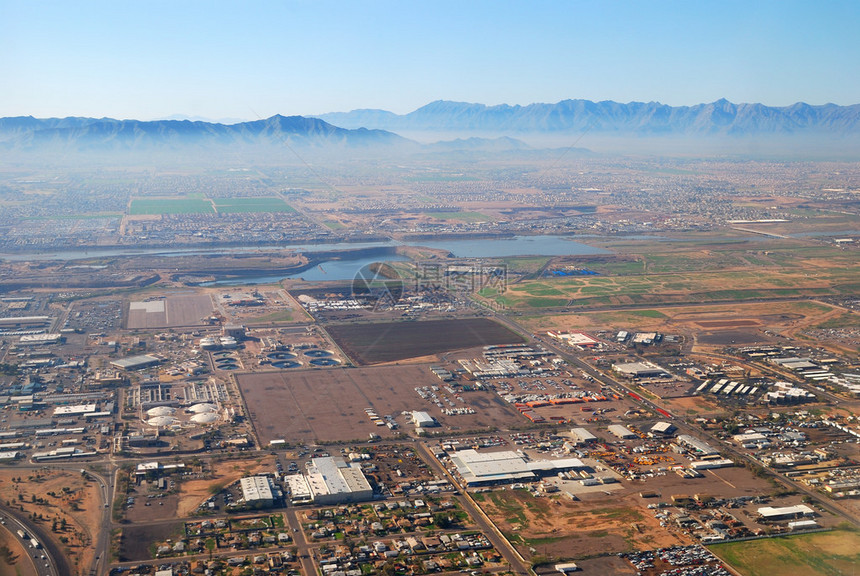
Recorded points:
26,132
635,118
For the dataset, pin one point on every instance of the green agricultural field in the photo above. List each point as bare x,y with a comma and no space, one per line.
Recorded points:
834,553
263,204
689,277
155,206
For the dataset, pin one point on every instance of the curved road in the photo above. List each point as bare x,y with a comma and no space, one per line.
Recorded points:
56,560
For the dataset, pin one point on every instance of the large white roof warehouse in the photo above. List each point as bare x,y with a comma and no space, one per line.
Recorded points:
477,468
334,481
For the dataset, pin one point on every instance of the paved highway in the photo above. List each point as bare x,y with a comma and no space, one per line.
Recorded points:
48,560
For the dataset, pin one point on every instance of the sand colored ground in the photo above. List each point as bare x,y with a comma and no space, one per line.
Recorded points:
13,556
193,492
560,528
76,500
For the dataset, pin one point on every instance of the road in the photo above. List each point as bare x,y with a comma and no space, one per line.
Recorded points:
494,535
304,549
54,563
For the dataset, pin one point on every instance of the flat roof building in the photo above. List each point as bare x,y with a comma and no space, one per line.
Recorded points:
333,481
785,512
481,468
621,432
258,491
663,429
136,362
582,436
640,370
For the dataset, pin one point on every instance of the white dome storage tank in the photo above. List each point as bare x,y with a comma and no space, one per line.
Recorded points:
205,418
162,421
203,407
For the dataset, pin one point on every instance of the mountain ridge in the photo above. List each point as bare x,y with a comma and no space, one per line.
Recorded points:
720,117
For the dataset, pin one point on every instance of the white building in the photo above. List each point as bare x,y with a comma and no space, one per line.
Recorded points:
333,481
258,491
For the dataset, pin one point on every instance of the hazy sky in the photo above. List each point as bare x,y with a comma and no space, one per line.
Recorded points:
243,59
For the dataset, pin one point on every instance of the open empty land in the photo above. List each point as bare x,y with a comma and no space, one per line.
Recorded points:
171,311
327,405
391,341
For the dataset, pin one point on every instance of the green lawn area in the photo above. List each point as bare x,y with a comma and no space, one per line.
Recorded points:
833,553
141,206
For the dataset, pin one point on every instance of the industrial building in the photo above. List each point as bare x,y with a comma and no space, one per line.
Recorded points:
785,512
582,436
423,420
136,362
700,447
333,481
662,429
574,338
258,491
482,468
300,490
40,339
640,370
621,432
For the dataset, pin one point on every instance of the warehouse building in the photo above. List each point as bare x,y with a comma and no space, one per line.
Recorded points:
622,432
483,468
136,362
258,491
785,513
636,370
423,420
582,436
662,430
333,481
700,447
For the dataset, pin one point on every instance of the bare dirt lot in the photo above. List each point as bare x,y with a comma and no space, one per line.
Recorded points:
170,311
390,341
13,556
289,405
560,528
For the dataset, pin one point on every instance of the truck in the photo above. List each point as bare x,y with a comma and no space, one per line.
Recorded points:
22,535
35,543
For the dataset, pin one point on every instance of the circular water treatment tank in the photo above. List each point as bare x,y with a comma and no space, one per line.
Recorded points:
286,364
205,418
281,356
325,362
203,408
318,353
160,411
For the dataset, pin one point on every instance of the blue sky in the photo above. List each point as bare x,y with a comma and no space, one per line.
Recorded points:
151,59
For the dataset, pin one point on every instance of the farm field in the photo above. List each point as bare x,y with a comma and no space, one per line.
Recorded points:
286,404
692,271
820,554
391,341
